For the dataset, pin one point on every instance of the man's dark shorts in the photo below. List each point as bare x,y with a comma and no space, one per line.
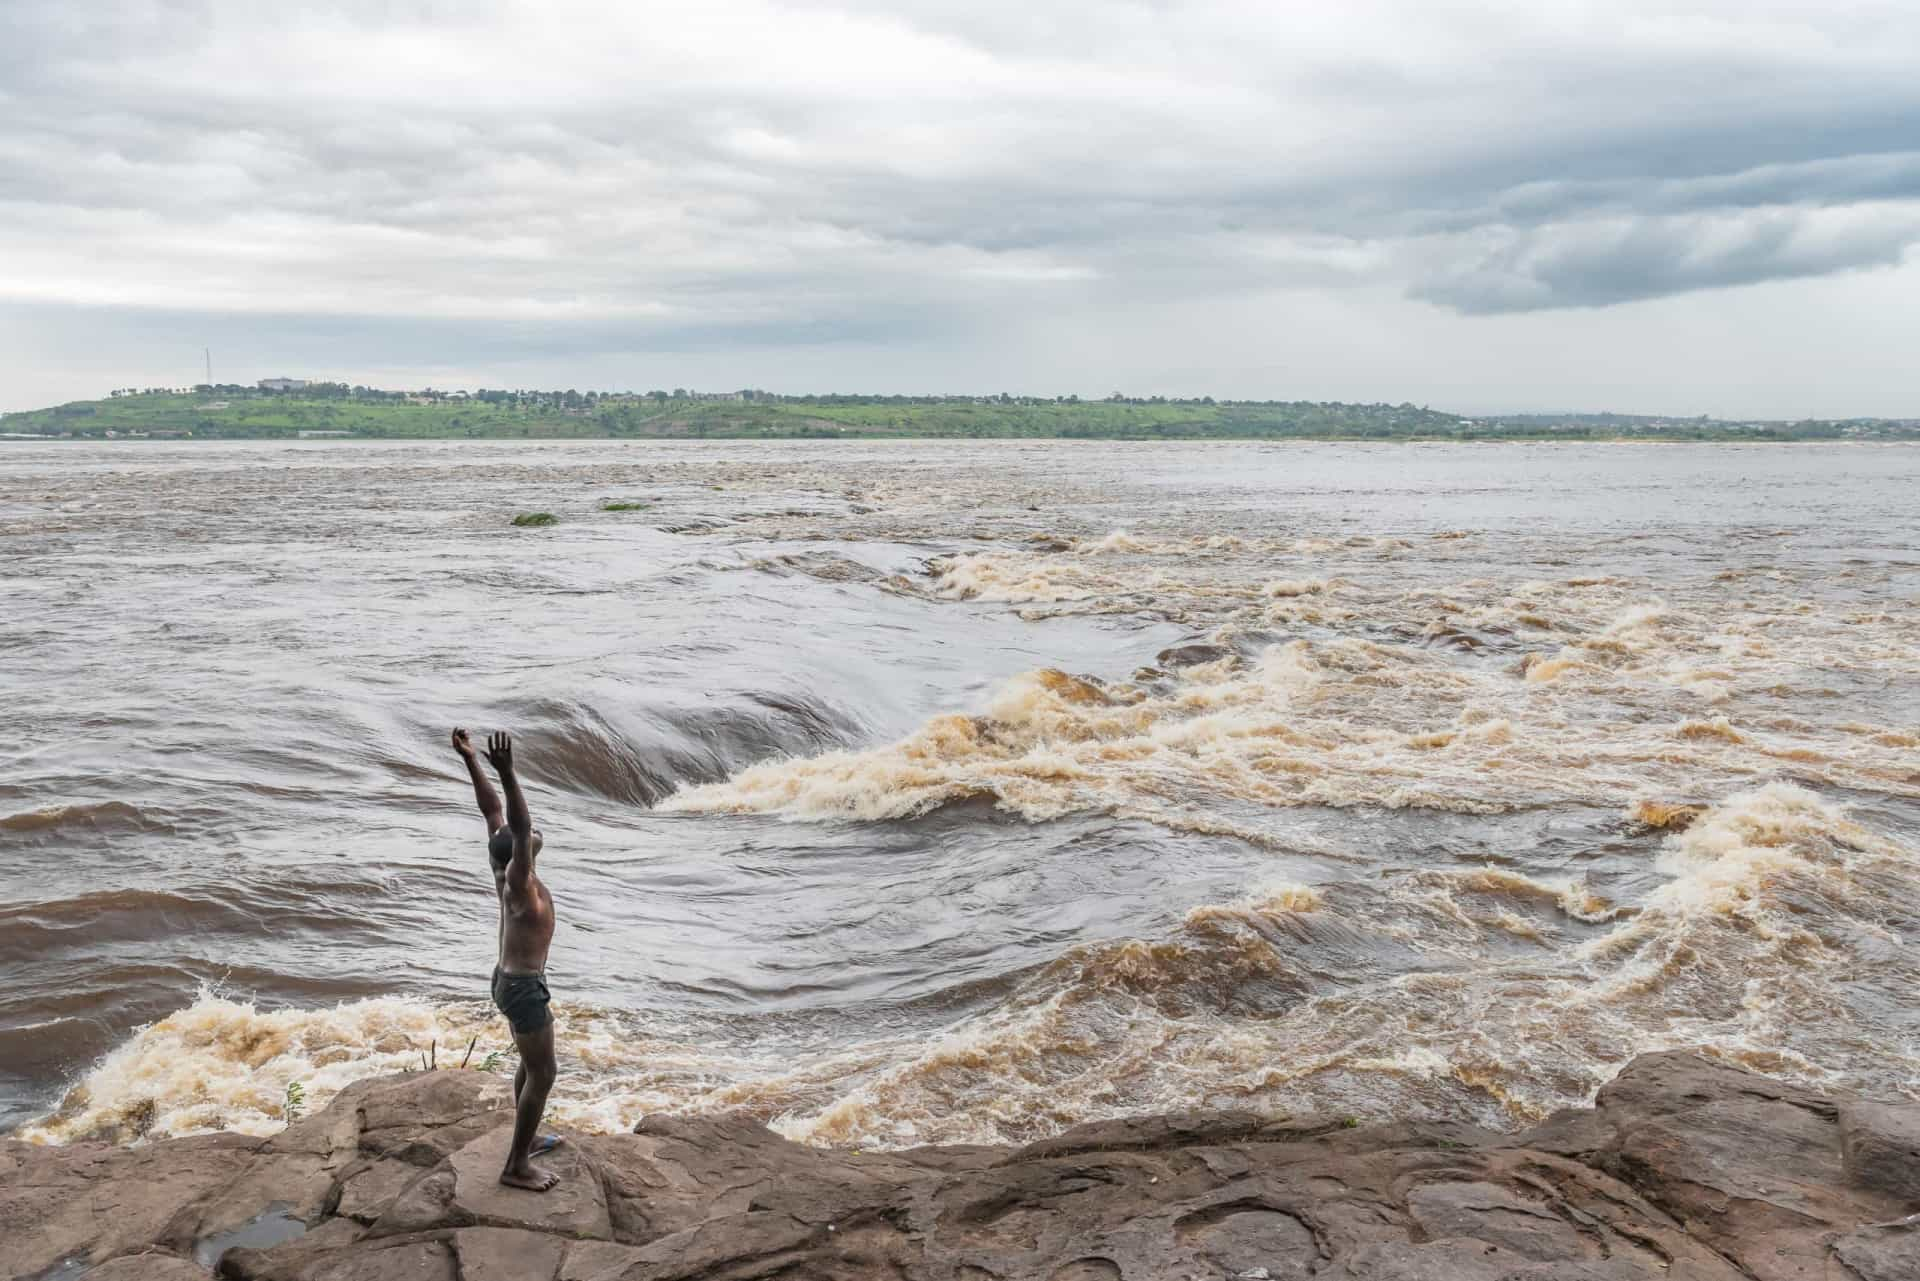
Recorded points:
523,998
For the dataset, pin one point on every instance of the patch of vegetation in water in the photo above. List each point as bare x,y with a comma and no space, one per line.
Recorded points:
624,507
535,520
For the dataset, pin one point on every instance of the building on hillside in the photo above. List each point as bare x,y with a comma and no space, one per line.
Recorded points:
283,384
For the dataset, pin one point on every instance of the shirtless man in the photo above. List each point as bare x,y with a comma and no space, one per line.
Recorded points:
519,979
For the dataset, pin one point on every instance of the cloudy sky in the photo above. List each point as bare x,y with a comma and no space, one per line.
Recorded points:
1692,208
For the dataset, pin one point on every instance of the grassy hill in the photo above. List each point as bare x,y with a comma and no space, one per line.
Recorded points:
232,413
229,412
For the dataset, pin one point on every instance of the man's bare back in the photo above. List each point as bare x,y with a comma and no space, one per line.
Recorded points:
526,932
526,914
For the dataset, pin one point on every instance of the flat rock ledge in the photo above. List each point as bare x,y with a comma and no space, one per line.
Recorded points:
1685,1169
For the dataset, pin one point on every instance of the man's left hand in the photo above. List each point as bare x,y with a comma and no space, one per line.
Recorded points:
500,751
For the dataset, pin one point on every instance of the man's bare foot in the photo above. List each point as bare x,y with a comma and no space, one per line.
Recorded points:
525,1174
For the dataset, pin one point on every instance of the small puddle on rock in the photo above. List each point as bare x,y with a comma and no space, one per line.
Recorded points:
271,1226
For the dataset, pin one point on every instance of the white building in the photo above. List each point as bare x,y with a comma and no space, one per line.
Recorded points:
282,384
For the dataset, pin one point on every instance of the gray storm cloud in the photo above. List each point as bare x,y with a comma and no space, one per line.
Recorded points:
1599,261
753,172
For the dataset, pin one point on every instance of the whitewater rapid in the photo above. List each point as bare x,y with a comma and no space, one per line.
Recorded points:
923,793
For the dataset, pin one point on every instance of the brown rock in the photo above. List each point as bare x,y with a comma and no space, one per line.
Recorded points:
333,1131
502,1254
151,1266
424,1118
465,1190
1432,1136
369,1188
1478,1261
426,1203
1883,1252
296,1185
1520,1225
769,1242
1749,1166
294,1259
646,1198
1685,1170
674,1173
1880,1147
587,1260
1191,655
90,1202
576,1206
394,1261
1178,1129
1251,1236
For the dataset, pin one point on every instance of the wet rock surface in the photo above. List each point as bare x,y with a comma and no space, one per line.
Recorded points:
1684,1168
1191,655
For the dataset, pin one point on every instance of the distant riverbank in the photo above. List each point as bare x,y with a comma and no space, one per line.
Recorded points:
335,411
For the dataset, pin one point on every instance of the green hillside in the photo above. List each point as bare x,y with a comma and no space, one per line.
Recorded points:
232,412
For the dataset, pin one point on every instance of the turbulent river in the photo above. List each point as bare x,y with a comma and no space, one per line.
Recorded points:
932,792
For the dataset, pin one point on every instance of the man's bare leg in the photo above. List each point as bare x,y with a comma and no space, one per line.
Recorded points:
541,1142
531,1085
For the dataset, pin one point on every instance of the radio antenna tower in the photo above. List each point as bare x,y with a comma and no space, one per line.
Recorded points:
209,352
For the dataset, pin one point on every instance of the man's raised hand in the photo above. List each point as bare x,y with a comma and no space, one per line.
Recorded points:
483,794
500,752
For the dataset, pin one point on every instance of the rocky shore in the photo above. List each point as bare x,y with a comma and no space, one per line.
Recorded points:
1683,1169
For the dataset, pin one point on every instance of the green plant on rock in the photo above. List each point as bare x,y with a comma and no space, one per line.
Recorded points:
535,520
624,507
295,1104
492,1062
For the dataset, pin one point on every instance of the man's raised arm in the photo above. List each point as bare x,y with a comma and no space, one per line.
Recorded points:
483,793
519,821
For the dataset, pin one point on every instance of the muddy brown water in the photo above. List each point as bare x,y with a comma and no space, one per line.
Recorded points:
873,808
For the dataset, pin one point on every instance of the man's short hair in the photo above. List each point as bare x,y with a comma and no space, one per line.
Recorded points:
500,846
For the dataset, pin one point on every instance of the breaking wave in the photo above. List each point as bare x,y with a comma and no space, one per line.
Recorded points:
1462,992
1339,722
580,749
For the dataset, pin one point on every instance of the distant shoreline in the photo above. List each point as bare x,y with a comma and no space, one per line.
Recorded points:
334,411
1555,438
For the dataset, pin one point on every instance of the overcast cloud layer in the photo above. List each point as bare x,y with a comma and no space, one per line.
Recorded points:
1704,208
